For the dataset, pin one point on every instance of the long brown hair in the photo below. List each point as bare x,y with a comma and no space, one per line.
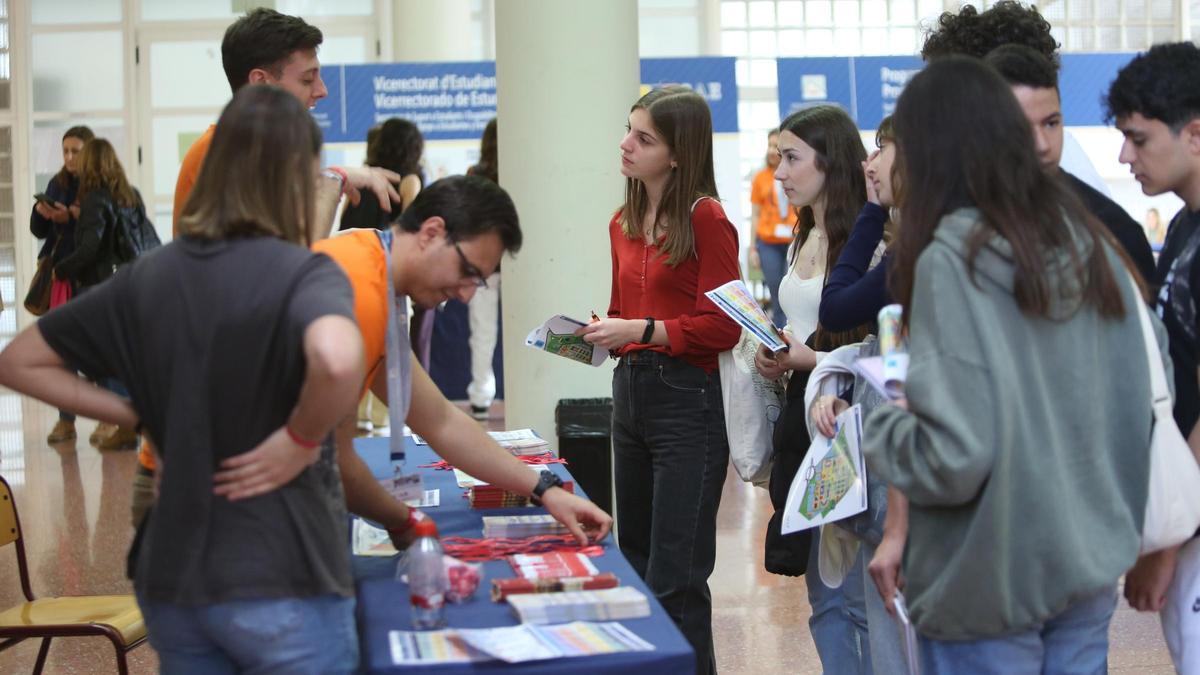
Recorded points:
258,177
82,133
99,168
829,131
962,140
681,117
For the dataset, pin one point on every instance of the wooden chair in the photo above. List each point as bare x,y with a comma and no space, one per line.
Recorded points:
115,617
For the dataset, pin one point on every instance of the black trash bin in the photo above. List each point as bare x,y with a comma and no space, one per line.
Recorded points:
584,427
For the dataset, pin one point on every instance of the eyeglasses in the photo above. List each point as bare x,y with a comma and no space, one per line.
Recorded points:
469,270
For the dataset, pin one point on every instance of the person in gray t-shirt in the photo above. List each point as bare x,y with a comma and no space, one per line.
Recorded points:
240,352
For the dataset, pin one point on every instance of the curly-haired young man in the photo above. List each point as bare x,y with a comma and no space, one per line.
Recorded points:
1155,102
970,32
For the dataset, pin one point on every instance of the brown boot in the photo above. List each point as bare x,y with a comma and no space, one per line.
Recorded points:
103,431
121,439
62,431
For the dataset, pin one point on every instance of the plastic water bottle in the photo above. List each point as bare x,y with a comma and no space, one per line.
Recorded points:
426,577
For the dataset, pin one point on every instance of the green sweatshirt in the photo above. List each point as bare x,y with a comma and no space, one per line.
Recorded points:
1026,452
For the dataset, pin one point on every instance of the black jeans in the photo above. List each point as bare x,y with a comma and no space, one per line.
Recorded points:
671,453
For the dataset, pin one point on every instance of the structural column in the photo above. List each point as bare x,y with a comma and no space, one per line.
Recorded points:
566,74
425,31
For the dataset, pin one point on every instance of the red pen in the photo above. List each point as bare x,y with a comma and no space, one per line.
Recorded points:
596,319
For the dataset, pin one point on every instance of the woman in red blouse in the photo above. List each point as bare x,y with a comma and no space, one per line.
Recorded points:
671,242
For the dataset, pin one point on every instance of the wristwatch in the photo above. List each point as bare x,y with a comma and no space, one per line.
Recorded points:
546,480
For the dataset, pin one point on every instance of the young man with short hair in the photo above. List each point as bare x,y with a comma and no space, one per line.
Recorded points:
261,47
445,245
1034,81
1155,102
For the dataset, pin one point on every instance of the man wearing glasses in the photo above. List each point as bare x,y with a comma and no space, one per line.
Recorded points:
445,245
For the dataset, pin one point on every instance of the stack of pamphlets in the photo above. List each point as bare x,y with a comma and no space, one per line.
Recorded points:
484,496
517,441
519,527
512,644
624,602
552,565
369,540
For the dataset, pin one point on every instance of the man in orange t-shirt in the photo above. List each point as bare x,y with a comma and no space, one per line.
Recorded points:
772,219
188,170
445,245
262,47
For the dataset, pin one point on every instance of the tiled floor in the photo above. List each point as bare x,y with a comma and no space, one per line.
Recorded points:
74,507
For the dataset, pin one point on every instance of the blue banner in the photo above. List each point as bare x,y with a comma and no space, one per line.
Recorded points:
867,87
813,81
878,81
714,78
450,101
1083,83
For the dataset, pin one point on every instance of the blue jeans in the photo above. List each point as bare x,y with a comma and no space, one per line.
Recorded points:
773,260
886,640
285,635
670,458
1073,642
838,624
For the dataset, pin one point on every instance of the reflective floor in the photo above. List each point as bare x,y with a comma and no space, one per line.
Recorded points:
74,508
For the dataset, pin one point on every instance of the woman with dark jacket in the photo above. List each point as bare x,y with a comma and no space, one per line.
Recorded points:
106,199
54,221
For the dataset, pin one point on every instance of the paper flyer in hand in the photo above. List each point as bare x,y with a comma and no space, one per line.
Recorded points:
735,300
912,658
832,481
885,374
557,336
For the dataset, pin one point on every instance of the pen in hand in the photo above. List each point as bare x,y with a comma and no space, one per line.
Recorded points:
596,319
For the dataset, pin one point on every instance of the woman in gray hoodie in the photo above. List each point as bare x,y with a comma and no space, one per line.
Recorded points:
1023,445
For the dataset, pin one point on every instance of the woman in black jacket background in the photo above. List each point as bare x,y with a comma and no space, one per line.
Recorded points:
54,221
105,200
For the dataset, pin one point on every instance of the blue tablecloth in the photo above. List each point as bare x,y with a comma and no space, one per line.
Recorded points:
383,602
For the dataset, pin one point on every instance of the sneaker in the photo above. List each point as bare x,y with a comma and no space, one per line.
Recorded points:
480,412
121,439
103,431
62,431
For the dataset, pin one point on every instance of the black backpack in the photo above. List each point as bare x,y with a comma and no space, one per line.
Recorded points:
134,234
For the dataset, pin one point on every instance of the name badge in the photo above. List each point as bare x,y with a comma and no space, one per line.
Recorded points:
407,488
783,231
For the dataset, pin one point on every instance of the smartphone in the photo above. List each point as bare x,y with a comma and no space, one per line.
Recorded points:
42,197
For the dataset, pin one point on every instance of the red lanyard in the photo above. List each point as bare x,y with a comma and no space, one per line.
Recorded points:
478,550
545,458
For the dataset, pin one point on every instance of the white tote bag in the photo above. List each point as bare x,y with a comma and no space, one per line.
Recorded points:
752,406
1173,502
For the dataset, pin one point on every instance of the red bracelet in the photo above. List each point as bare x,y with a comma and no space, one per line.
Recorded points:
300,440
